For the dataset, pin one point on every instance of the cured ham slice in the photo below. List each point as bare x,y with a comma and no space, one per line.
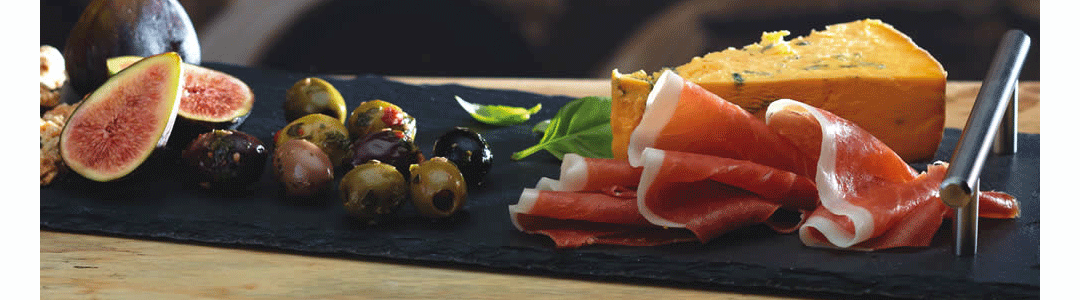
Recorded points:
682,116
712,195
576,233
870,199
579,173
591,206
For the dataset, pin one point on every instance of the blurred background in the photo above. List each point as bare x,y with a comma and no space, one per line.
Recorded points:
557,38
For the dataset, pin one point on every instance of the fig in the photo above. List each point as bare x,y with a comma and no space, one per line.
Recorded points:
211,98
225,159
120,124
110,28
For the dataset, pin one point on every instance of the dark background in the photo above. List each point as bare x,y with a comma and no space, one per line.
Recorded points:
580,38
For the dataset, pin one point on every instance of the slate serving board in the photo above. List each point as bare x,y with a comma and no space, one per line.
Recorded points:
160,203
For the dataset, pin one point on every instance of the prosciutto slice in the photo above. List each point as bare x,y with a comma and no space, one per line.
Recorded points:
595,203
712,195
682,116
579,173
870,199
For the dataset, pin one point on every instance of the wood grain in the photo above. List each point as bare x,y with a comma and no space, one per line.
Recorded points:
77,266
82,266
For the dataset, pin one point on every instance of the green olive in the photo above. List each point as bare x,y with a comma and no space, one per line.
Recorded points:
373,191
372,116
437,188
321,130
314,96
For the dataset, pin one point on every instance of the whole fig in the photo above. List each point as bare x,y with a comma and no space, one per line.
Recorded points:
109,28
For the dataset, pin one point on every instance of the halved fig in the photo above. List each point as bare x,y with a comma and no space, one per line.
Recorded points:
210,97
120,124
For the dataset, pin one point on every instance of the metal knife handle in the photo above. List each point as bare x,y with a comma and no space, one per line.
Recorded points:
960,187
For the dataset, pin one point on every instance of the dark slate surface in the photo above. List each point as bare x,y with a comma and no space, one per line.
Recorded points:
159,203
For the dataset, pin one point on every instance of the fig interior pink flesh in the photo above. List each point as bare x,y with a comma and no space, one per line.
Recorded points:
204,97
117,131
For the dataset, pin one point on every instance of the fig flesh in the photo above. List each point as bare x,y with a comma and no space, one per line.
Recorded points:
210,100
120,124
109,28
210,96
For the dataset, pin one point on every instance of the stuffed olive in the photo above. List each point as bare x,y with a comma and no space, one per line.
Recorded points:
375,115
437,188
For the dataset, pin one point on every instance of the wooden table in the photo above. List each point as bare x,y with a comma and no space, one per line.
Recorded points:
85,266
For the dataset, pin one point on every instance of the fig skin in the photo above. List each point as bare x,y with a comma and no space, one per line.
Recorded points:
109,28
226,159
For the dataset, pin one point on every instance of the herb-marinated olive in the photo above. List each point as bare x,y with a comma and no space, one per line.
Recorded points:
375,115
225,159
388,146
373,191
314,96
468,151
322,130
437,188
302,168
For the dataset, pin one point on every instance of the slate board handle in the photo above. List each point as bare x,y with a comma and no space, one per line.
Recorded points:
995,105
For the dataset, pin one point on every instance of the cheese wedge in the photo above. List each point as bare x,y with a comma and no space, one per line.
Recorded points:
864,71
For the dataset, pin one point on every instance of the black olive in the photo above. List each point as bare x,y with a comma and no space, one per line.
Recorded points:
388,146
225,159
373,191
437,188
468,151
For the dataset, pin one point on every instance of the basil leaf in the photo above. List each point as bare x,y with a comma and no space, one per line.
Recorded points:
498,115
541,127
582,126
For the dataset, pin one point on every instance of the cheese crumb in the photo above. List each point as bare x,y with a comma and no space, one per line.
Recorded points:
772,43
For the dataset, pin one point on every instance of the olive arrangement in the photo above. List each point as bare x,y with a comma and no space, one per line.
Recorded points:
374,146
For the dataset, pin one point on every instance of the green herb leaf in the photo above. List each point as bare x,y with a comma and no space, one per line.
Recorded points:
498,115
582,126
539,128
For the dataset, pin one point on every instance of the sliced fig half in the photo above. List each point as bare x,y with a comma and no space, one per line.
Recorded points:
213,98
120,124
